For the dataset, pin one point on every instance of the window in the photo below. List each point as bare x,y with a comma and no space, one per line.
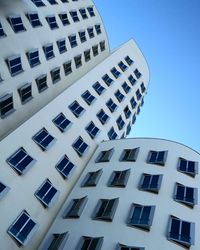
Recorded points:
90,243
80,146
127,112
88,97
122,66
61,45
115,72
188,167
119,96
82,36
98,88
67,67
90,32
55,74
186,195
137,73
6,105
91,11
34,19
52,2
133,103
61,122
14,65
120,122
138,95
92,178
119,178
16,23
77,60
125,247
48,51
83,13
126,87
65,1
74,16
43,139
23,228
181,232
143,88
141,216
128,129
33,57
3,190
112,134
25,93
111,105
72,40
129,60
64,18
102,116
41,82
98,28
108,81
138,110
133,119
105,156
2,33
75,208
95,50
131,80
92,130
47,194
157,157
129,154
150,182
87,55
65,167
76,109
38,3
58,241
105,209
102,45
52,22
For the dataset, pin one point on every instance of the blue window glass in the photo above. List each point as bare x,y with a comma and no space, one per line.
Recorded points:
76,109
83,13
74,16
127,112
126,87
128,129
186,195
61,45
80,146
138,95
52,22
157,157
143,88
119,96
14,65
90,31
25,93
72,40
120,122
38,3
48,51
61,122
131,80
34,19
137,73
102,116
108,81
98,28
111,105
3,190
65,167
112,134
88,97
122,66
82,36
188,167
91,11
64,18
133,119
115,72
33,57
133,103
129,60
43,139
6,105
98,88
92,130
2,33
52,2
16,23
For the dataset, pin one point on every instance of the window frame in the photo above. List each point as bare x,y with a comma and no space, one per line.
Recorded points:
4,191
156,161
104,156
91,179
58,125
149,188
101,119
29,92
19,64
71,169
186,171
87,98
52,24
72,212
84,238
130,151
80,154
10,20
11,104
55,75
41,81
35,22
94,128
74,112
114,180
57,241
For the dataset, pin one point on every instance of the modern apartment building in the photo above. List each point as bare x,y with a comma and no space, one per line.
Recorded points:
136,194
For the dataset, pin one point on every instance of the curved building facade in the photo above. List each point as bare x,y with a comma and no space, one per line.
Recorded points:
138,193
45,47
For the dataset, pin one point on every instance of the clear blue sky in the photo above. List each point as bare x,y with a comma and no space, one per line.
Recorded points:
168,33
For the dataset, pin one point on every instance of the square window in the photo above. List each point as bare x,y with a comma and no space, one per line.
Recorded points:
61,45
75,208
77,60
72,40
38,3
92,130
52,22
43,139
129,154
14,65
92,178
34,19
105,209
138,95
80,146
2,33
41,82
65,167
105,156
133,103
102,116
186,195
111,105
82,36
108,81
95,50
52,2
67,67
102,45
76,109
91,11
90,32
98,28
119,178
157,157
83,13
112,135
181,231
58,241
3,190
62,122
48,51
88,97
127,112
188,167
25,93
141,216
126,87
120,123
98,88
120,97
23,228
115,72
74,16
55,75
137,73
131,80
87,55
122,66
129,60
90,243
126,247
16,23
64,18
47,194
6,105
33,57
143,88
149,182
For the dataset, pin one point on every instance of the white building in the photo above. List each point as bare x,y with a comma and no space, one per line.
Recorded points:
46,45
42,159
134,194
